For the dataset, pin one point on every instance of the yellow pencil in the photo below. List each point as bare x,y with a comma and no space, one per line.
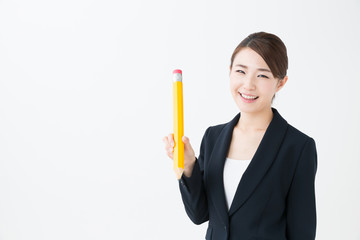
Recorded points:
178,123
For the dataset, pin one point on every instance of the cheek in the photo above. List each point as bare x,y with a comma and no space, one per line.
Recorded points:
233,87
234,82
231,83
269,87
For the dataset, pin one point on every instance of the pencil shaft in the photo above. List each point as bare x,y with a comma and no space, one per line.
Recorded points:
178,125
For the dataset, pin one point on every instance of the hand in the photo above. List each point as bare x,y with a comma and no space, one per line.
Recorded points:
189,154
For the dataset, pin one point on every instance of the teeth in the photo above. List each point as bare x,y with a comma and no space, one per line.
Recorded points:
248,97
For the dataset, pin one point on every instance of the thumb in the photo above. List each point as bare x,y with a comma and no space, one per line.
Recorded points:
185,140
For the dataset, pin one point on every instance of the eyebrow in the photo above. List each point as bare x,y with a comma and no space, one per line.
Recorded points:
259,69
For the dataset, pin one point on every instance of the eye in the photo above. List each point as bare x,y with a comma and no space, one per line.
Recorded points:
240,71
263,76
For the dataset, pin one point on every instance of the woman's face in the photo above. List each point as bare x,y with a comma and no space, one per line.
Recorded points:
252,84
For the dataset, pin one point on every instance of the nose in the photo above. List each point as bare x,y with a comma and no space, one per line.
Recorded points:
249,83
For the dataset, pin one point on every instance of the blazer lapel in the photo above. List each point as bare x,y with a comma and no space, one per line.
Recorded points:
214,176
262,160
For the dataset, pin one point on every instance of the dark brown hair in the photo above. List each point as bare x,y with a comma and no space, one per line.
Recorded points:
270,48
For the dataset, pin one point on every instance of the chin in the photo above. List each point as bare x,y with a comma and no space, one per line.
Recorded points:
247,108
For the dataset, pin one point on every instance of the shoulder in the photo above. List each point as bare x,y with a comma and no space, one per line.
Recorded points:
298,140
297,134
293,135
214,131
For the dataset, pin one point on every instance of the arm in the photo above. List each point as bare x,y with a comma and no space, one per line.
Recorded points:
193,191
301,209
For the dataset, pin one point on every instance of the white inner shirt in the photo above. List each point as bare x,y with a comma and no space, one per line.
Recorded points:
233,171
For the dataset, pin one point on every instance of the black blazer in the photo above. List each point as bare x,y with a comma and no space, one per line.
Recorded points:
275,199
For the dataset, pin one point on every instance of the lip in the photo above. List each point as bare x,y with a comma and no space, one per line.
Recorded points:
248,100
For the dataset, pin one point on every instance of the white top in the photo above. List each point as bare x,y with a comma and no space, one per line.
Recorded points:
233,171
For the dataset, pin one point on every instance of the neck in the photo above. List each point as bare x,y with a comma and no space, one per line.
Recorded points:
255,121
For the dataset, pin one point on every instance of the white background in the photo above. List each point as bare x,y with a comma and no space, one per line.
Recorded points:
86,98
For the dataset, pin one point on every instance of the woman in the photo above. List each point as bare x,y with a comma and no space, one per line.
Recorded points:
254,177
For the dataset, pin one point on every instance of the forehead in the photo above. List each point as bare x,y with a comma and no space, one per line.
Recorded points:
249,58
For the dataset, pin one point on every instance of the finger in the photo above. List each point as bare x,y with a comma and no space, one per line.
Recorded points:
166,142
171,139
170,149
185,140
170,155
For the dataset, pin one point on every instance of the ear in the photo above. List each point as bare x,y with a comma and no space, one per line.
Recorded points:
281,83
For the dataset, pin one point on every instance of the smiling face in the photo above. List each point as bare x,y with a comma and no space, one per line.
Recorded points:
252,84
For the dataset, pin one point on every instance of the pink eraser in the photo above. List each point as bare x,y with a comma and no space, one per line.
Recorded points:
177,71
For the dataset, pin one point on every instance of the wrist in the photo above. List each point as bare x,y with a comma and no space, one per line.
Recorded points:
189,168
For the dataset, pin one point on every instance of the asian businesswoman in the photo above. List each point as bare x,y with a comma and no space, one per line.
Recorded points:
254,177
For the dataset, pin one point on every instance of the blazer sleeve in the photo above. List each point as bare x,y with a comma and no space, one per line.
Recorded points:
301,206
193,189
